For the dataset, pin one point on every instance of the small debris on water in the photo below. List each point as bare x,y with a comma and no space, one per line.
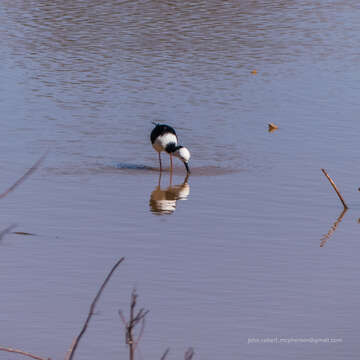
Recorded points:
23,233
272,127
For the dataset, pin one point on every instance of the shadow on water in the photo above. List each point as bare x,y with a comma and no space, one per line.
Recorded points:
163,201
136,169
131,166
195,171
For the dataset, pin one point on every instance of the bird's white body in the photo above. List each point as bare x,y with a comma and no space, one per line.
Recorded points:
163,140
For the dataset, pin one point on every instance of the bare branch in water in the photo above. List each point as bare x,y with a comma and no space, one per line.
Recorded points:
335,188
17,351
122,317
76,340
134,320
189,353
25,176
165,354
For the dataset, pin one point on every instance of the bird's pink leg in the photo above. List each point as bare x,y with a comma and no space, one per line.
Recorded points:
171,163
160,161
171,175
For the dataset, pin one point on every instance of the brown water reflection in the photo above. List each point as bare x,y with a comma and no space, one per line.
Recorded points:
327,236
163,201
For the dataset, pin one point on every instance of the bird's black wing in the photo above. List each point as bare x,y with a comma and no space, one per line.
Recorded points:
161,129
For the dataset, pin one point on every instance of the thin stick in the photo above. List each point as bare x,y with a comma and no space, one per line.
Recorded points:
165,354
11,350
130,326
335,188
134,320
189,353
122,317
76,340
22,179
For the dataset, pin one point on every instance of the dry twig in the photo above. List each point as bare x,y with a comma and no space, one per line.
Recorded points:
17,351
335,188
131,324
189,353
26,175
165,354
76,340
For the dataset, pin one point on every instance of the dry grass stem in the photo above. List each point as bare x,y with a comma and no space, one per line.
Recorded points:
25,176
17,351
76,340
165,354
189,353
335,188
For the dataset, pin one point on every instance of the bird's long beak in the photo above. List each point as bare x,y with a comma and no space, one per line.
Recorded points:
187,167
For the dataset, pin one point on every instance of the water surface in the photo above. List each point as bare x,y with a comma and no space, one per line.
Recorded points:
231,253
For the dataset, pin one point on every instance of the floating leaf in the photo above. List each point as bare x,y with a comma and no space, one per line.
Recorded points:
272,127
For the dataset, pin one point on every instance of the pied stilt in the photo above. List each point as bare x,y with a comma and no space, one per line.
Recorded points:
163,138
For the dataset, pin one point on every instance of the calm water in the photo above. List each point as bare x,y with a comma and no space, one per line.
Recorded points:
231,253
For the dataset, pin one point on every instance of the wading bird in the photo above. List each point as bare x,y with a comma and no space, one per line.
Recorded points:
163,138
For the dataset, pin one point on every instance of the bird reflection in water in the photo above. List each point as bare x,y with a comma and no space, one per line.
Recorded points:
163,201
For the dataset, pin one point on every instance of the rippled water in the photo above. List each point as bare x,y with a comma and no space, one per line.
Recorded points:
230,253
